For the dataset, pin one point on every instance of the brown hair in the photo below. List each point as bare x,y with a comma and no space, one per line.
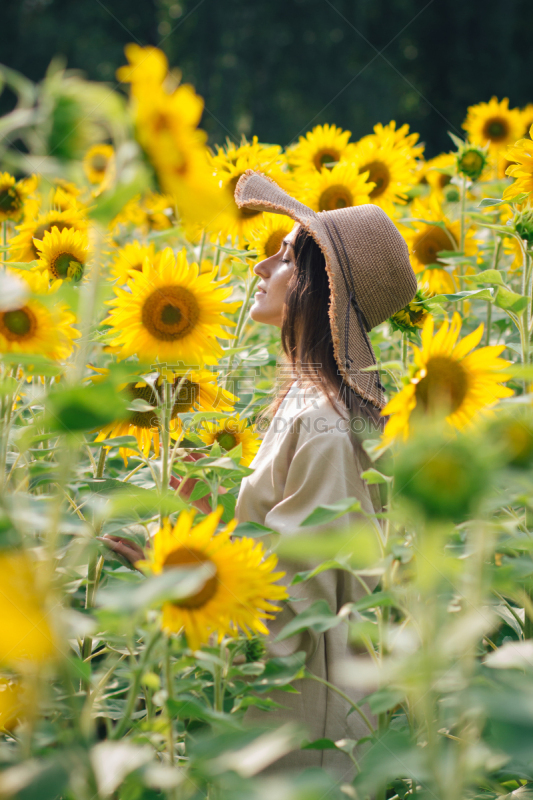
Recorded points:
306,334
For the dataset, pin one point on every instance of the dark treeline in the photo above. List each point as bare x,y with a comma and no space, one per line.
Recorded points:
277,67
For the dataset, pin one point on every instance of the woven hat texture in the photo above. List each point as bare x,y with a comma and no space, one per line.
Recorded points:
369,272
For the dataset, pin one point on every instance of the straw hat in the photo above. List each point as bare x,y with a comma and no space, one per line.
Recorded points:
367,262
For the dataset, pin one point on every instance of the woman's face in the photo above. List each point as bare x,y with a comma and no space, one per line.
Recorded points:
275,273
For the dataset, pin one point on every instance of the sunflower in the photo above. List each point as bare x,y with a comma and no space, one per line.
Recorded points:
241,591
493,123
151,212
99,165
339,187
229,433
13,703
196,391
24,617
171,313
148,66
400,137
521,168
131,257
267,238
391,168
324,146
36,328
13,194
63,253
229,163
22,246
449,377
431,233
438,180
527,120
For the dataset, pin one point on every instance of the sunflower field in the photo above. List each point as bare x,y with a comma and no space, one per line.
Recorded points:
133,389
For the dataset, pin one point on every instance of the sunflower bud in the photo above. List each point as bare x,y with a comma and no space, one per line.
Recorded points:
523,225
514,437
254,649
471,161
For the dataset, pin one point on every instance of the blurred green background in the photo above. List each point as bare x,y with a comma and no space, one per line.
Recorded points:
275,68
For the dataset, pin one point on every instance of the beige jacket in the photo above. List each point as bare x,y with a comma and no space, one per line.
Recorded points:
307,459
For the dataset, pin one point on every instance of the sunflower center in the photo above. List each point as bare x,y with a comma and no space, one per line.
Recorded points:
326,158
430,242
17,325
496,129
378,173
66,265
472,162
143,419
185,557
226,440
170,313
273,243
99,163
337,196
444,180
185,397
444,386
46,228
9,200
244,213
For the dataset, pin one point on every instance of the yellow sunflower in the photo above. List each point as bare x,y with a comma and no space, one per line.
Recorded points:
493,123
267,238
400,137
22,246
449,377
229,433
413,315
63,253
521,168
527,120
426,239
99,165
27,636
391,169
13,703
196,391
152,212
241,592
148,66
171,313
13,194
324,146
37,328
440,181
339,187
131,257
229,163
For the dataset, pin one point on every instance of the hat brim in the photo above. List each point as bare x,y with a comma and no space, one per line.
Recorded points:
351,346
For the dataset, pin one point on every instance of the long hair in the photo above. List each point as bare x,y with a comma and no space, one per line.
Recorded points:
306,334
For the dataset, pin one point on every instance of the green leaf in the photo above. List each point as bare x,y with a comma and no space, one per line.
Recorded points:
172,585
522,793
456,140
127,497
200,490
310,573
320,744
384,699
375,600
511,301
324,514
84,408
372,476
488,276
476,294
109,204
318,617
489,202
253,529
280,672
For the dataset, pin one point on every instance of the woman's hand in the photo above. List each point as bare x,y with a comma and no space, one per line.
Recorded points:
126,548
186,486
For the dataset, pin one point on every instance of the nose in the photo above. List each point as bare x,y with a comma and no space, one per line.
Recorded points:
262,268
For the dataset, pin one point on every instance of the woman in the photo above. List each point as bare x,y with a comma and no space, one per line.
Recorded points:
337,275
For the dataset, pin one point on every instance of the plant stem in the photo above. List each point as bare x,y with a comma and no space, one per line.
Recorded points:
170,695
165,439
95,565
134,688
351,702
404,350
243,314
201,253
